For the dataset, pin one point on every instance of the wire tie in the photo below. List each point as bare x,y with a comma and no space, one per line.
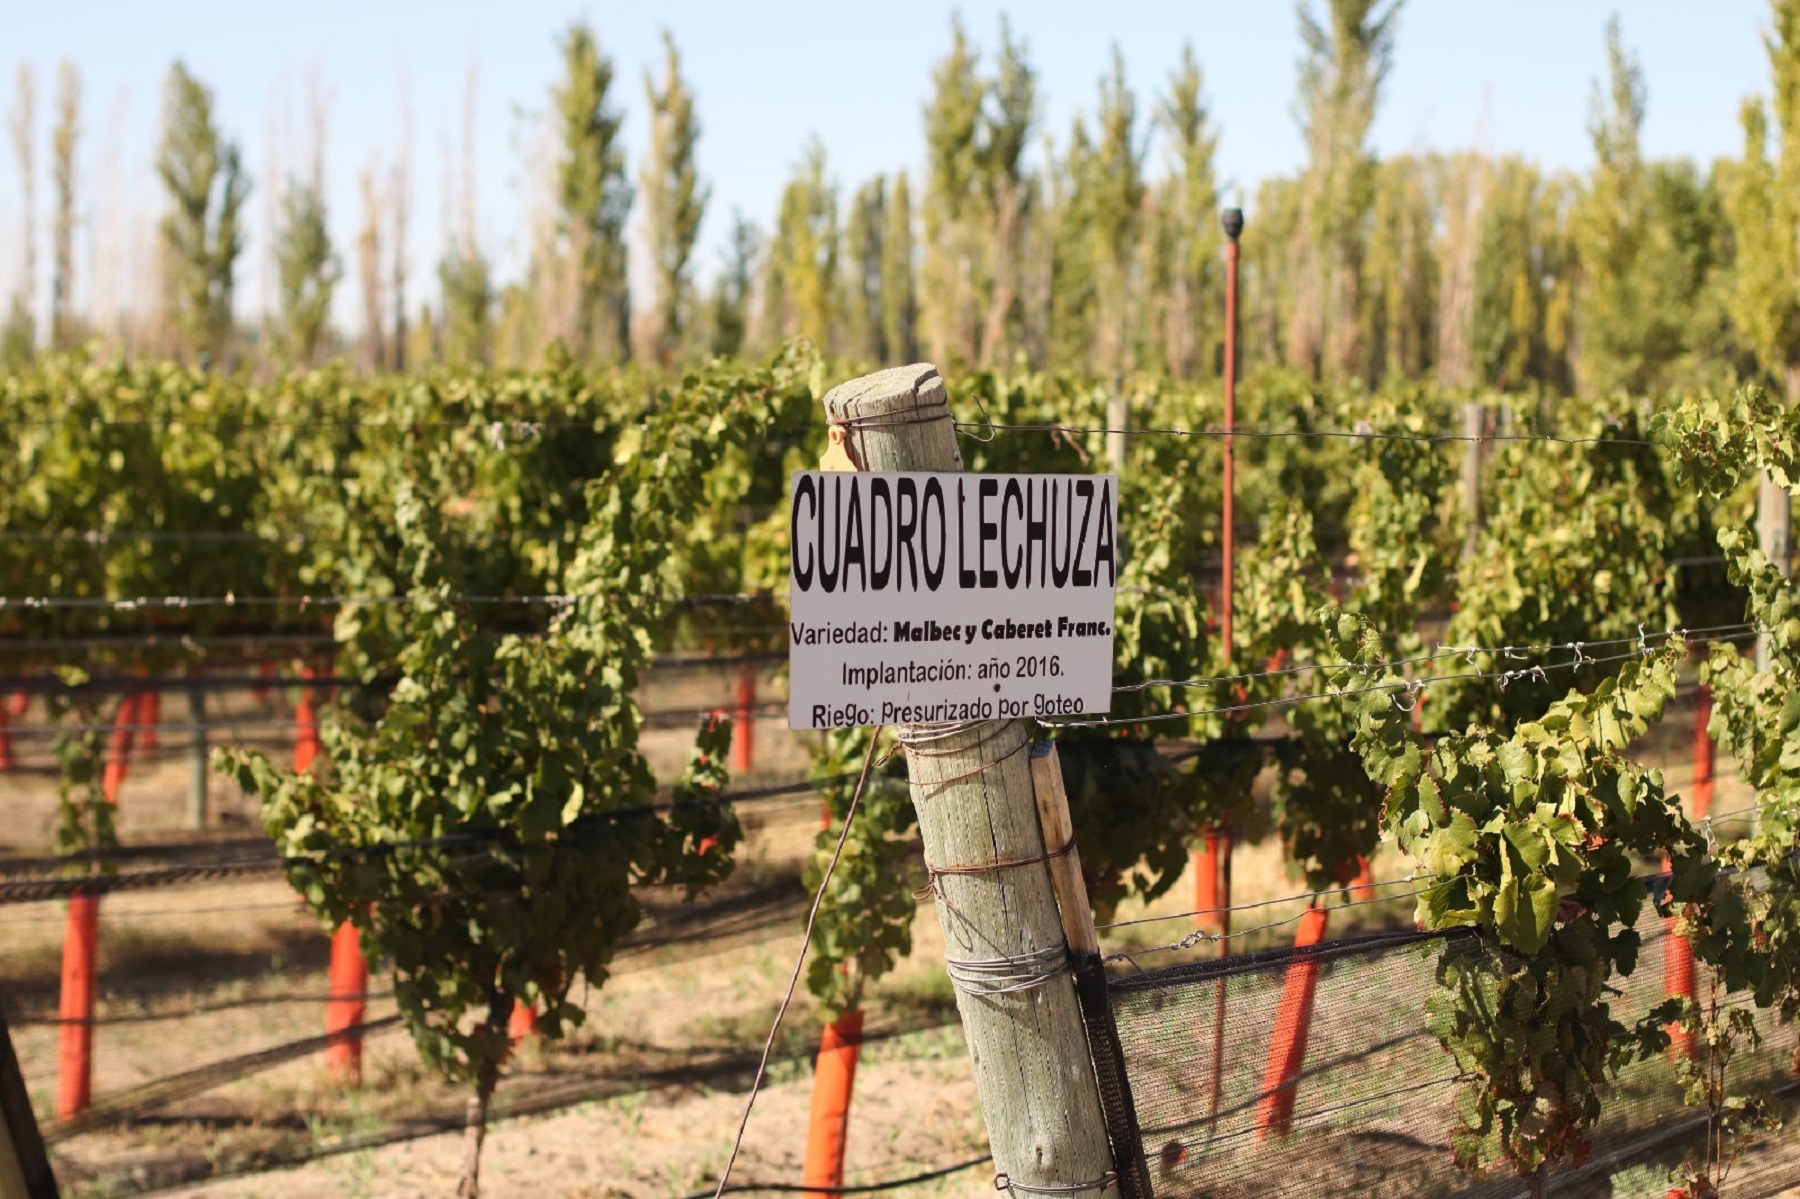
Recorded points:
1581,658
1643,642
1004,1182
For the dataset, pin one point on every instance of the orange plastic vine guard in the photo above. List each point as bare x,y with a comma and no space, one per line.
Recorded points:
833,1082
1287,1049
75,1049
344,1009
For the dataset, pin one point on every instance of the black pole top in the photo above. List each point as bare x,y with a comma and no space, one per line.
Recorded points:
1233,220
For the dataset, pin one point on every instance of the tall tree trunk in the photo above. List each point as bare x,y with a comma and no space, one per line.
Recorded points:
468,1186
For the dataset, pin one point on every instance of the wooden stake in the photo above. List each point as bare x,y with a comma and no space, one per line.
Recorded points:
24,1166
972,788
1474,424
1772,512
198,772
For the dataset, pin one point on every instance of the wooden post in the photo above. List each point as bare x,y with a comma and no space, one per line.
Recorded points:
1474,425
348,981
24,1166
7,761
1118,424
1772,538
1116,1103
198,774
972,788
75,1056
1293,1020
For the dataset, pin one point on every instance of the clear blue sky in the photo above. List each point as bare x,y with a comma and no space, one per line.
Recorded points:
769,75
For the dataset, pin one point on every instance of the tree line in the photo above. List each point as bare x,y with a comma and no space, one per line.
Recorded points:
1096,248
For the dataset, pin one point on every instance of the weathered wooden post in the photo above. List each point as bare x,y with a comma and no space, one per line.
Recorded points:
1772,512
24,1166
1005,948
1474,425
199,770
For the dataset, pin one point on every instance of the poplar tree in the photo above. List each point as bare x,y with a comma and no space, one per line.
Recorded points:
1762,198
593,198
674,201
1509,309
1397,321
306,267
1462,187
899,310
307,270
1347,58
952,167
465,279
467,285
731,290
1186,283
803,257
865,324
63,141
1610,225
1008,116
19,339
368,270
201,169
1100,227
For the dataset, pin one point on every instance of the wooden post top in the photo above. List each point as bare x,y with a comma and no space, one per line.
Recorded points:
896,419
889,394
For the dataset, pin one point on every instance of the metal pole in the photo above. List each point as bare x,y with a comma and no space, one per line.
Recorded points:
1233,220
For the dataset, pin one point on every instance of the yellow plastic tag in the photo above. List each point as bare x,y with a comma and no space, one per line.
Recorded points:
837,454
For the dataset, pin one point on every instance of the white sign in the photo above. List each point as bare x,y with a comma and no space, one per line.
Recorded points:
921,598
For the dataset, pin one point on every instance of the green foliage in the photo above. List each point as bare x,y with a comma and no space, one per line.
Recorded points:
1546,572
485,822
1529,839
865,919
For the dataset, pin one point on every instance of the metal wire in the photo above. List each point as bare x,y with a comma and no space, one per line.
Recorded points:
1276,434
1007,975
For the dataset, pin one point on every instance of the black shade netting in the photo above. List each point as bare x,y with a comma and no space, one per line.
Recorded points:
1370,1092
